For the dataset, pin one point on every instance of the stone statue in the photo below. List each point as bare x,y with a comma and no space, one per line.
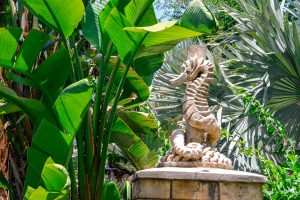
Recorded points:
192,147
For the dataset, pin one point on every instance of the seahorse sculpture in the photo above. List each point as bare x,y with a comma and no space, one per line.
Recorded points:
192,148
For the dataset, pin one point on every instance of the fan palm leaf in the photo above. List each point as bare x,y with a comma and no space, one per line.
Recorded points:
266,59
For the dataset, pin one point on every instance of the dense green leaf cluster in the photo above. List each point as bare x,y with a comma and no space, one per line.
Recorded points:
284,179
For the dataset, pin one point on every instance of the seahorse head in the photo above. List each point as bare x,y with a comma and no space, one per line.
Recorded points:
191,70
195,66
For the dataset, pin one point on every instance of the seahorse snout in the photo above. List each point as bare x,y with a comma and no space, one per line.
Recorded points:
179,80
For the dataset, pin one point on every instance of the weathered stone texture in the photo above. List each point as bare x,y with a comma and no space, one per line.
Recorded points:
200,184
151,188
193,189
240,191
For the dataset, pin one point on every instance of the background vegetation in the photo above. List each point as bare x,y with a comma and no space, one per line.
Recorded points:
255,91
86,99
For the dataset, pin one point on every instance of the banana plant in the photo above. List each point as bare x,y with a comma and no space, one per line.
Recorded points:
57,121
58,115
131,44
133,31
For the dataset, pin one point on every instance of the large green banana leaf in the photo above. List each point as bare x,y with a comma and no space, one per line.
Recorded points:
134,85
35,109
9,40
91,26
139,122
71,105
45,77
30,49
145,41
56,183
62,16
199,18
146,67
148,42
133,146
56,141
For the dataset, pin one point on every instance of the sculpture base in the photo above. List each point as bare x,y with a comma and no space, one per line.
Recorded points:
196,183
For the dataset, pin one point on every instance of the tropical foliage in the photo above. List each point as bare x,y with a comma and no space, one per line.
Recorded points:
75,82
69,113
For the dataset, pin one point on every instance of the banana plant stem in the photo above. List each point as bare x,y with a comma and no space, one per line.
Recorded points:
73,181
106,138
103,122
19,135
89,150
110,123
13,11
96,113
12,138
81,166
89,145
99,90
78,70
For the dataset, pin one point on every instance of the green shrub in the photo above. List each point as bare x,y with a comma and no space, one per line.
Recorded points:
284,179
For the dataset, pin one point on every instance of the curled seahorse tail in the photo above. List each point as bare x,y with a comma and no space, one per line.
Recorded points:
190,151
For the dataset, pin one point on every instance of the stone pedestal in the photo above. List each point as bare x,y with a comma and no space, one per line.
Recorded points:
196,183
